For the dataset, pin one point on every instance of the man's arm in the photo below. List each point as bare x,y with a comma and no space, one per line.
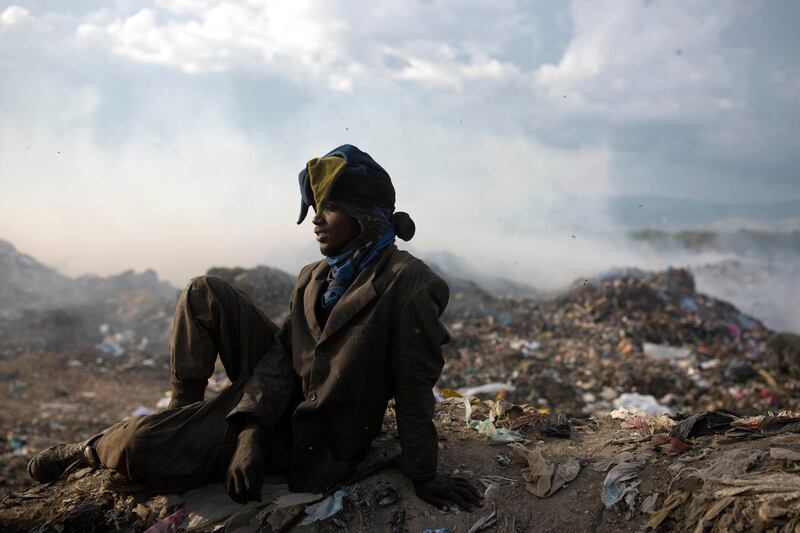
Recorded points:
416,366
266,395
268,391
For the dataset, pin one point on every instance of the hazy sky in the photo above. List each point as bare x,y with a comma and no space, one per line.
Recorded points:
169,134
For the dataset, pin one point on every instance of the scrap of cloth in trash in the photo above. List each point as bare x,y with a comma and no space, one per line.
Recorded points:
700,424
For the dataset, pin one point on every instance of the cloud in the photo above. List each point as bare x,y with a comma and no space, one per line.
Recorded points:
296,39
309,41
13,15
184,122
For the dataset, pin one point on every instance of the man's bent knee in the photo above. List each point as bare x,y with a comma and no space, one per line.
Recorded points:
205,284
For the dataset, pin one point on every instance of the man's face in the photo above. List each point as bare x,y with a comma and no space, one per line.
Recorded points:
334,229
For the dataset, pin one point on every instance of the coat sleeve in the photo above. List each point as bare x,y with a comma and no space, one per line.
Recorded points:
416,366
269,390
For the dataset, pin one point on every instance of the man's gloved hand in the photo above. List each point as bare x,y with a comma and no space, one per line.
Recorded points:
444,489
247,468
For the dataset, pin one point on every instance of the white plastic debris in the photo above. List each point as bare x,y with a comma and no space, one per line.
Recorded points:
633,402
163,402
525,346
665,352
488,388
142,411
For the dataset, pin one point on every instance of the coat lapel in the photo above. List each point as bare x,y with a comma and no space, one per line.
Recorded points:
355,298
310,297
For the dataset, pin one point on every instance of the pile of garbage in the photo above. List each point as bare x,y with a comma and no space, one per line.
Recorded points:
636,337
43,311
118,315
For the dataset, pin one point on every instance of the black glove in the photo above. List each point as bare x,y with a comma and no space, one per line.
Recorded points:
247,468
444,489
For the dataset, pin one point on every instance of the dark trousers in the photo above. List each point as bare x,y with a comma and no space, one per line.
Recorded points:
192,443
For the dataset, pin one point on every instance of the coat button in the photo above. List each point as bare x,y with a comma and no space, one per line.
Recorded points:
313,397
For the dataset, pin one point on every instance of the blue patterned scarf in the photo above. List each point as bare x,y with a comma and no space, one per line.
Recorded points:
346,265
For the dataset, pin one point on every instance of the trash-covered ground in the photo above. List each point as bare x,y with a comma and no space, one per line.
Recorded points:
598,474
67,397
646,348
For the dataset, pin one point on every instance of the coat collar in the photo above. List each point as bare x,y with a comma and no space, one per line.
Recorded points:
360,292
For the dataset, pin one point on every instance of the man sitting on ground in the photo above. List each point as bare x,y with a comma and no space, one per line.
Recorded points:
309,397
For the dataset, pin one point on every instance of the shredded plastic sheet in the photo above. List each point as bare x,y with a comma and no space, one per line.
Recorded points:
326,508
621,481
495,434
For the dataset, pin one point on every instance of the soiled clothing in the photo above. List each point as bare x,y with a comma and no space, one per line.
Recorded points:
183,447
382,340
320,390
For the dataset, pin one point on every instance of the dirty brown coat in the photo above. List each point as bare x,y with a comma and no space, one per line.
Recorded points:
382,340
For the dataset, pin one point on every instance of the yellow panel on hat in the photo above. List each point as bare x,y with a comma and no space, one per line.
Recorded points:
323,173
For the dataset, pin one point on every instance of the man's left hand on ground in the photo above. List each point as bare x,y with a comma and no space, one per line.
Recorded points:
444,489
247,468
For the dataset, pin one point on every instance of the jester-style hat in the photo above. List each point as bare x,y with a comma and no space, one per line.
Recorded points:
344,173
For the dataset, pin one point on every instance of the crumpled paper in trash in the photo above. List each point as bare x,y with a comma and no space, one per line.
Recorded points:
544,477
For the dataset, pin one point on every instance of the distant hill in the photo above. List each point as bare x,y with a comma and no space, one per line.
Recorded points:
682,213
27,283
41,307
743,242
